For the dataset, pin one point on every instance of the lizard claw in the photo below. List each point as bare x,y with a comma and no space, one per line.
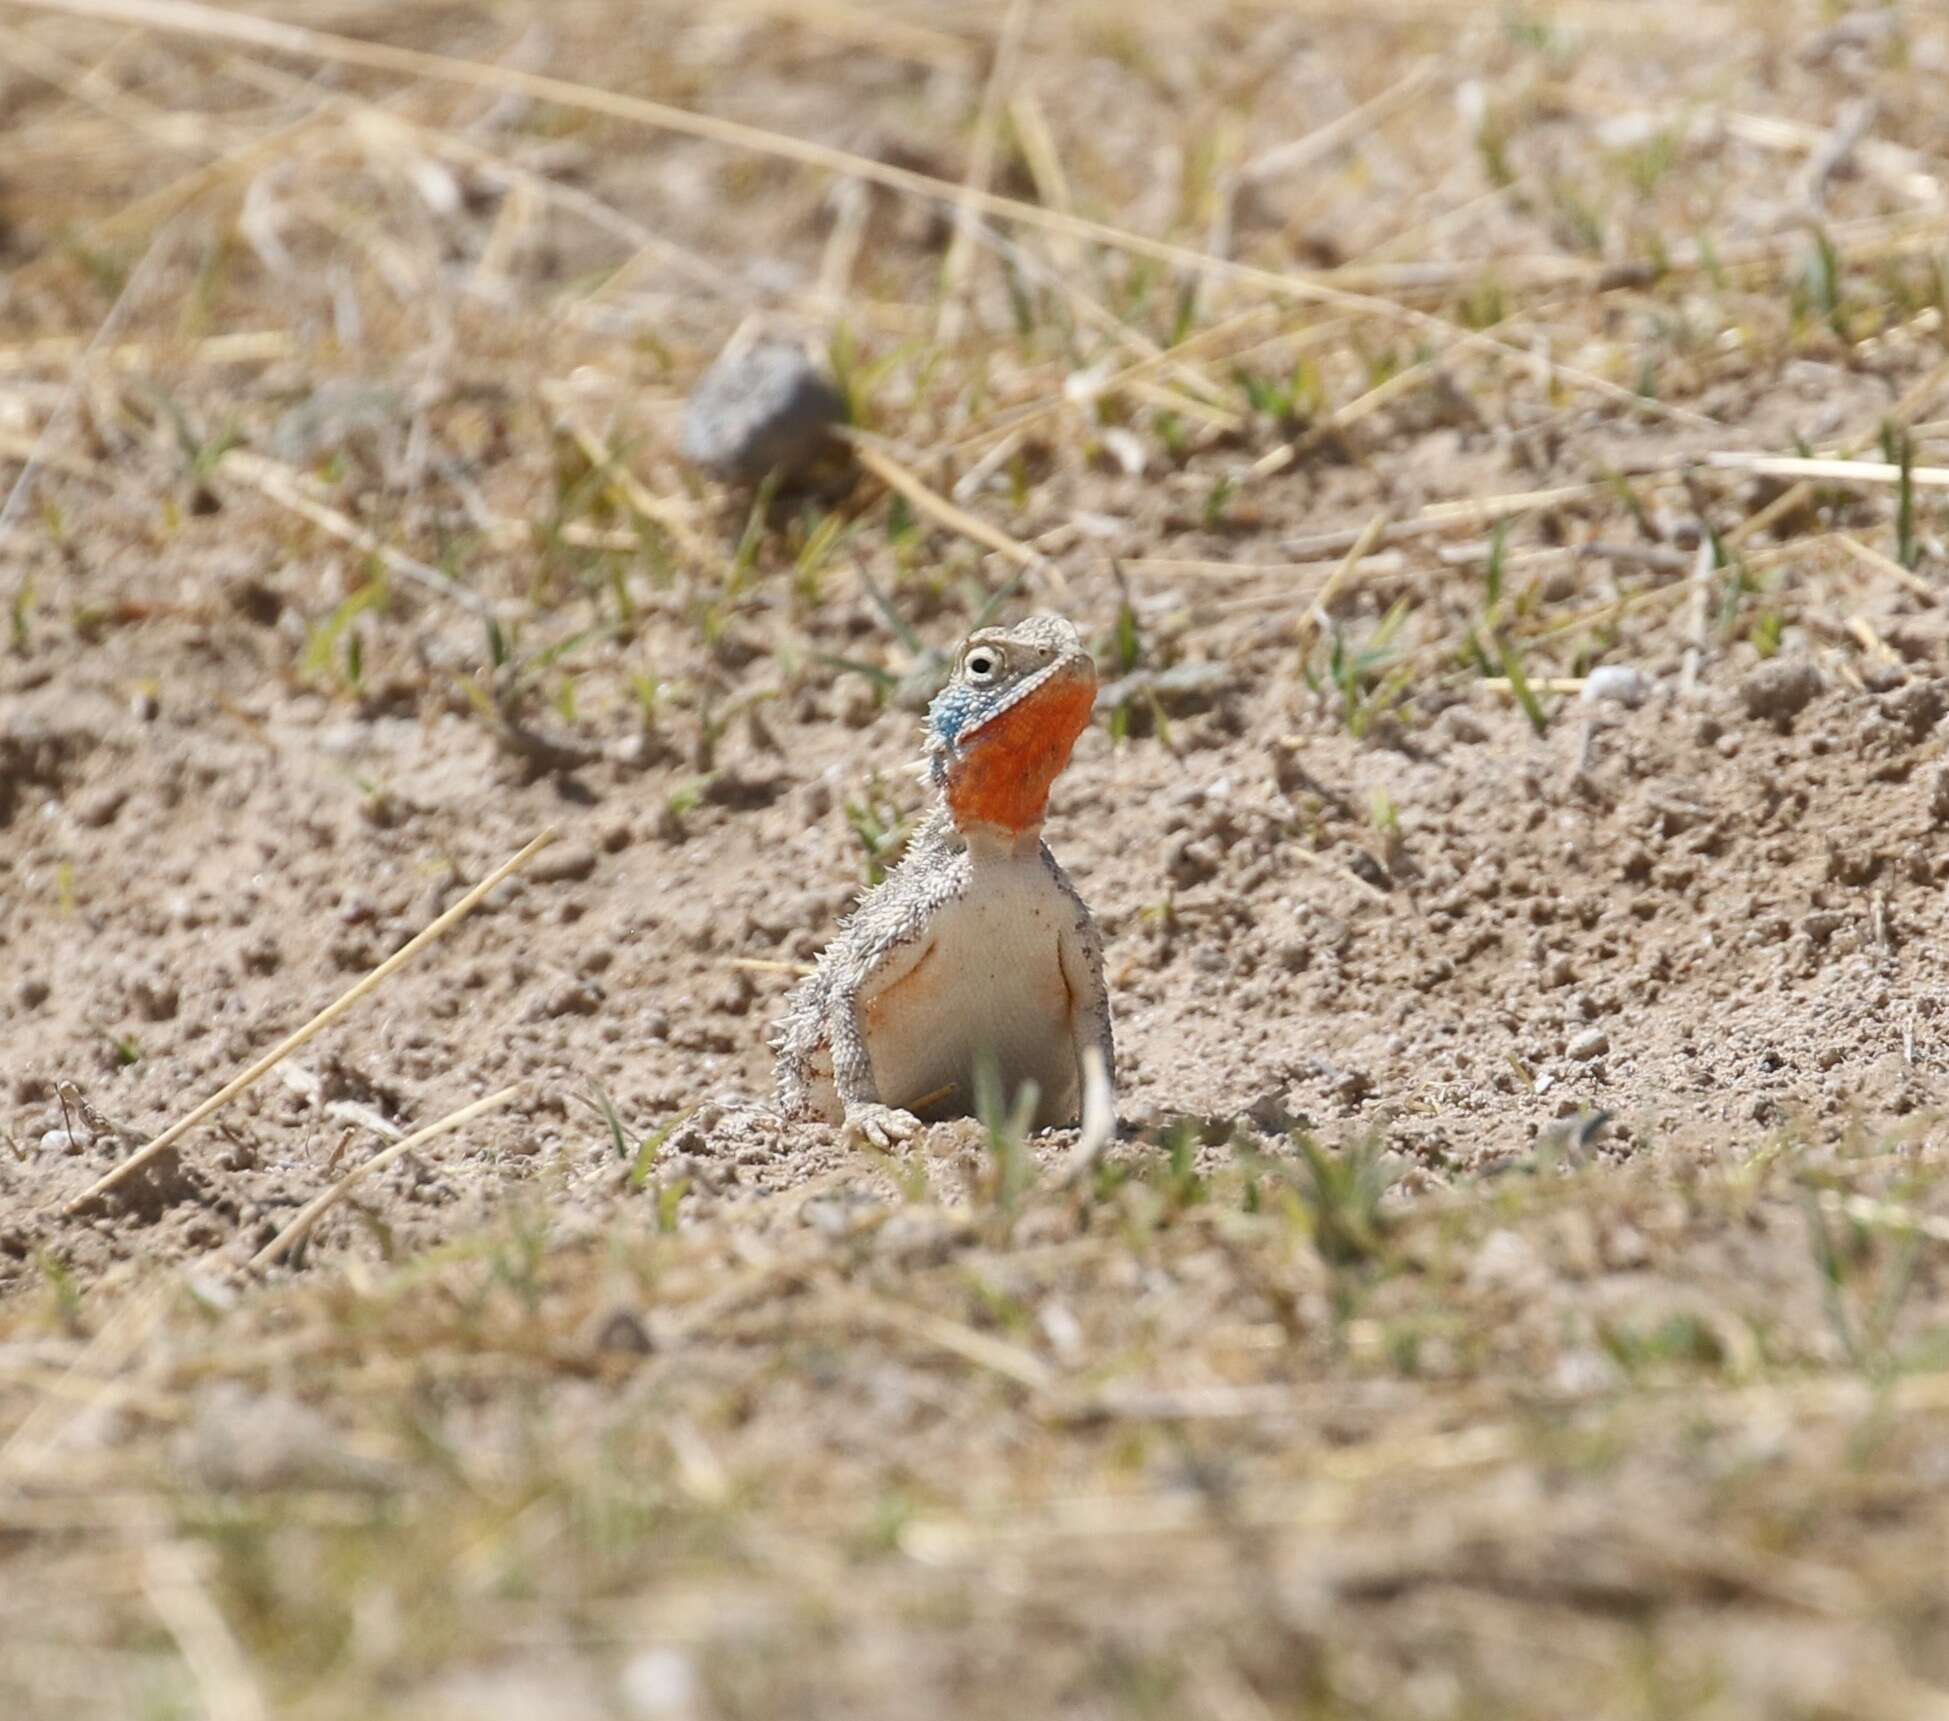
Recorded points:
880,1125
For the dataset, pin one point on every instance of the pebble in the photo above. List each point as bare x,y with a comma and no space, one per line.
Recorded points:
156,996
618,1331
1591,1043
562,863
100,808
1780,689
567,998
1917,706
660,1683
758,409
1617,684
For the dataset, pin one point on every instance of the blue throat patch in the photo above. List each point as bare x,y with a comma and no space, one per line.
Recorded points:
951,712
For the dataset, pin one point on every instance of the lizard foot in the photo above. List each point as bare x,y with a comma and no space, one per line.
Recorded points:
880,1125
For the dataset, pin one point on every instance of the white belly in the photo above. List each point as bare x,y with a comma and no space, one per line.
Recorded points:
990,986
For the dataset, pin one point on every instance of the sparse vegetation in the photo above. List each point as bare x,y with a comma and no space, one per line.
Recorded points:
1489,1309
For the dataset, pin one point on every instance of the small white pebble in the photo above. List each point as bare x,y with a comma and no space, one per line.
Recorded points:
660,1682
1591,1043
1617,684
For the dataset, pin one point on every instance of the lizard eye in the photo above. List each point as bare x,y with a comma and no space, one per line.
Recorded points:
982,665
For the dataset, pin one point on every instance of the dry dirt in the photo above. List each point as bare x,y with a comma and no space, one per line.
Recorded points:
1712,925
1350,891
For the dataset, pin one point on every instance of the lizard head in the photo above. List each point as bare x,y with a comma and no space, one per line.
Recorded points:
1000,732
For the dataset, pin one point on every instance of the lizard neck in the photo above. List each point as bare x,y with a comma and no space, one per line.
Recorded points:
991,845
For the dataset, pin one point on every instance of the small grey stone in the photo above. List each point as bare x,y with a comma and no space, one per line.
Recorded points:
567,997
1271,1115
1617,684
31,991
1917,706
100,808
619,1331
758,410
155,995
562,863
1591,1043
1780,689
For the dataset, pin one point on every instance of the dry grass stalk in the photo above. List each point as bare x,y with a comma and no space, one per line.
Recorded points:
192,18
1204,341
984,1350
1699,632
332,1012
86,1380
1830,471
1314,147
1871,642
1542,684
1698,22
1914,398
955,267
242,346
1089,310
1038,145
671,516
943,512
301,1227
278,483
1885,1215
1315,617
28,453
871,28
1886,566
174,1583
126,299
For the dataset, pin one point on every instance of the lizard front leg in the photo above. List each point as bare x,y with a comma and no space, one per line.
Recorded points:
867,1117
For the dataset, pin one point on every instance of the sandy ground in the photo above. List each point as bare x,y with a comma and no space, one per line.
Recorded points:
1350,887
1710,924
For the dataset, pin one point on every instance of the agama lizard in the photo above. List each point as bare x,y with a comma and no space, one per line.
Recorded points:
976,947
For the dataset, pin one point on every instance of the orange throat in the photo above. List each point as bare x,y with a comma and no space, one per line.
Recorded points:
1003,779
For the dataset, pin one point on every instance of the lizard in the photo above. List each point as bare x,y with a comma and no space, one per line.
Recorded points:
975,947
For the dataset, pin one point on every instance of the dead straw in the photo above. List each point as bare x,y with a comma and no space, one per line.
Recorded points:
316,1026
959,262
943,512
308,1216
189,17
1830,471
279,484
